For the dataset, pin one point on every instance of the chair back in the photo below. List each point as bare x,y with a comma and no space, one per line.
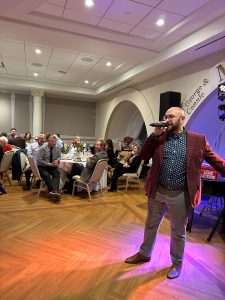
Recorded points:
34,167
23,159
6,161
100,166
140,168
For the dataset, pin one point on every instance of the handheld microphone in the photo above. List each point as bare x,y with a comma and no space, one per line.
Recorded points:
158,124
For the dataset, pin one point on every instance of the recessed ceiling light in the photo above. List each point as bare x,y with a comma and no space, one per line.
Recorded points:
86,81
36,65
160,22
89,3
35,74
108,64
87,59
38,51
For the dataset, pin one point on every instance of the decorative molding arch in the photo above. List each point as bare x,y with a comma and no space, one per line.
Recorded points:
204,88
135,96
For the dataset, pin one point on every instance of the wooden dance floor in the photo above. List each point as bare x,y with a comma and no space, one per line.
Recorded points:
75,249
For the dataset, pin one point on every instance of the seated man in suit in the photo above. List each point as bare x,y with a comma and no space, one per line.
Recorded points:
86,172
48,158
129,166
100,153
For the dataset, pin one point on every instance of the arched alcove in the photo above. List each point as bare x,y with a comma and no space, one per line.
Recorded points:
117,112
126,120
205,120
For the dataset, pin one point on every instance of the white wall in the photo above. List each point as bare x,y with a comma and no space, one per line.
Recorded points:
69,117
22,113
5,112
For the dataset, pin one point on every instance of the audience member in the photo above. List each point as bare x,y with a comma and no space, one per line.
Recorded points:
129,166
100,153
18,142
4,146
48,158
110,152
4,134
3,189
4,141
59,142
12,135
85,173
1,150
27,138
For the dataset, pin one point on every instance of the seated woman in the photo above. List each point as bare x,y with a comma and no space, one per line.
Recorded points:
129,166
110,152
27,137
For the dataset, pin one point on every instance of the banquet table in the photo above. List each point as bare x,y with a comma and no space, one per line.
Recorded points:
65,168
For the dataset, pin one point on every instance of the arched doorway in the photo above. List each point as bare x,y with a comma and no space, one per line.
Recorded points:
126,120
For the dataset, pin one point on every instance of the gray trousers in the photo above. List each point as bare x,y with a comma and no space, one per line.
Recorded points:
177,205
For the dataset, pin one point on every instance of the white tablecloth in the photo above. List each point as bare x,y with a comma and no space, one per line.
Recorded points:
65,168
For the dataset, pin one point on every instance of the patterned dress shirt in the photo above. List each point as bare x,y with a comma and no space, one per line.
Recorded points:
174,166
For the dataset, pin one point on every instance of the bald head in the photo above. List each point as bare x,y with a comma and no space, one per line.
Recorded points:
175,110
175,118
41,139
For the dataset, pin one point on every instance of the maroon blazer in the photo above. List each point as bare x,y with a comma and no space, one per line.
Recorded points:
198,150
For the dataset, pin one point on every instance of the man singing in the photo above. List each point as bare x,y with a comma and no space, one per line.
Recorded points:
173,183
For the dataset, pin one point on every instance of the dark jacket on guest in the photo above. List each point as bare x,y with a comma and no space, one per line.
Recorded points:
120,170
16,164
111,156
89,168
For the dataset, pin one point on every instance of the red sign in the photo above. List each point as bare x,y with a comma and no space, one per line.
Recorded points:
207,172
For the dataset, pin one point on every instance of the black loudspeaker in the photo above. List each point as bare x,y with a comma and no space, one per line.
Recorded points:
167,100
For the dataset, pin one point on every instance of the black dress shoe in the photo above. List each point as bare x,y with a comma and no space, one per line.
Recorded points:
175,270
137,258
111,190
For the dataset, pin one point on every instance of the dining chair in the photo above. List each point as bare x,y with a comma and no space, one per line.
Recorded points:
100,166
23,160
35,174
4,166
134,177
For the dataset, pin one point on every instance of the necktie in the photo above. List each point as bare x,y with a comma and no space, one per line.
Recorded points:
51,155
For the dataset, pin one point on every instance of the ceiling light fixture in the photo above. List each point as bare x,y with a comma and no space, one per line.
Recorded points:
86,81
160,22
38,51
36,65
35,74
87,59
108,64
89,3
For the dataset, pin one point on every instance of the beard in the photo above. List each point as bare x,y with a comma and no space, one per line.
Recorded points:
174,127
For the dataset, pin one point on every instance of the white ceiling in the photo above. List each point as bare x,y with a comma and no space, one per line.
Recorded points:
77,41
